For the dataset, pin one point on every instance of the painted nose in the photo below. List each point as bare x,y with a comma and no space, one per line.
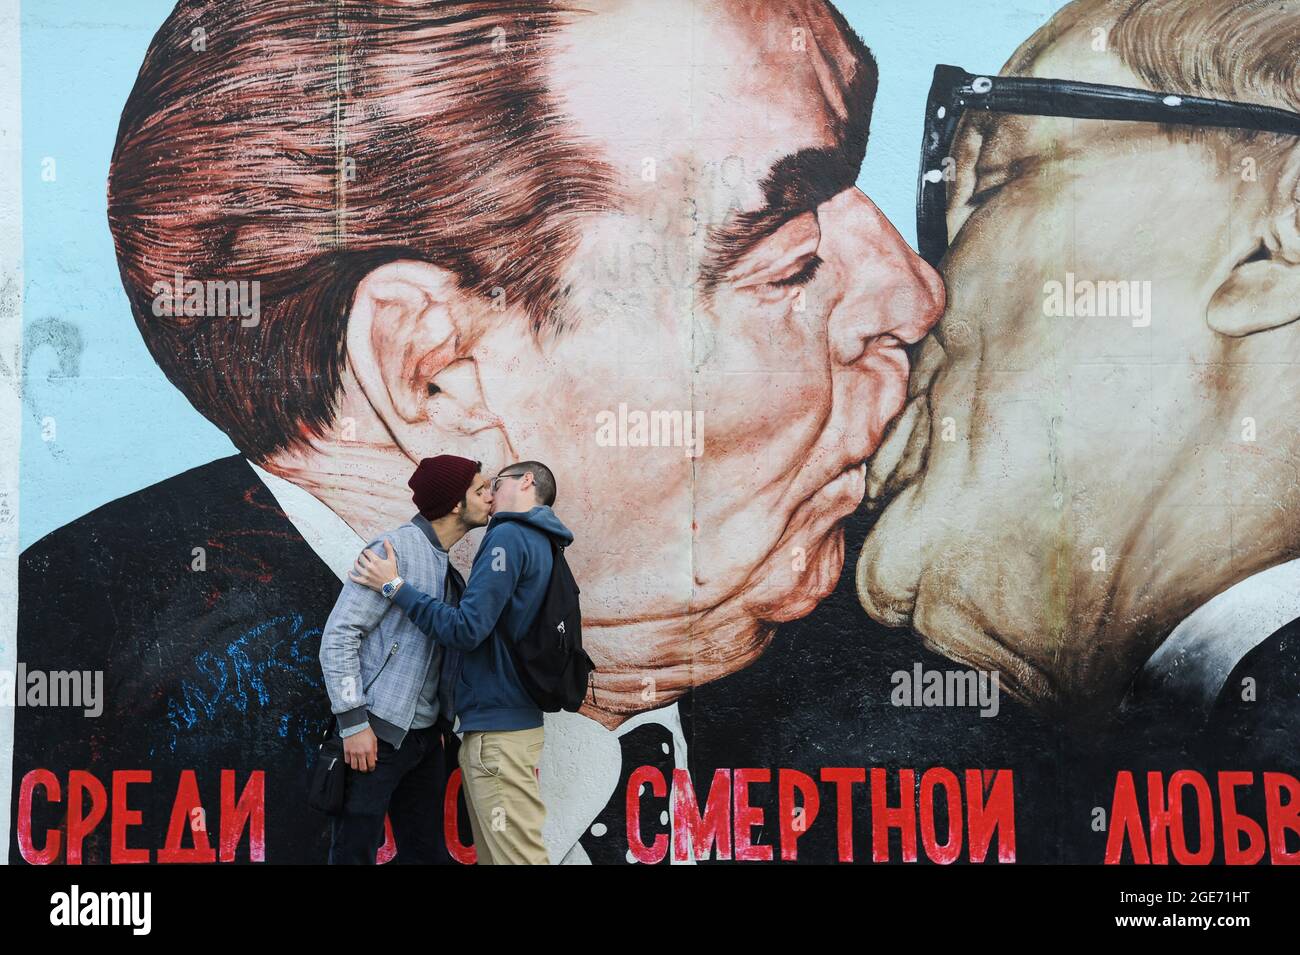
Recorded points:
888,290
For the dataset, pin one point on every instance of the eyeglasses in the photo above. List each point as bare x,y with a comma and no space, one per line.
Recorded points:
496,482
954,91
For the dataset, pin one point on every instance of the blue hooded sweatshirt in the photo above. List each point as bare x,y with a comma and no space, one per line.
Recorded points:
507,583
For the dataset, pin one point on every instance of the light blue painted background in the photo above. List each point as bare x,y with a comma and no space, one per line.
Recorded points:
120,424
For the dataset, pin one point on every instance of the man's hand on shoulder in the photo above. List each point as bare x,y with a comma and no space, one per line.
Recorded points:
374,571
361,750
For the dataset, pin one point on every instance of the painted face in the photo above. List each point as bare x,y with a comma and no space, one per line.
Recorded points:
1085,484
708,438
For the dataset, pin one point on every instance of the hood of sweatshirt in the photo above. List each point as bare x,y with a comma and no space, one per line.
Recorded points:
540,517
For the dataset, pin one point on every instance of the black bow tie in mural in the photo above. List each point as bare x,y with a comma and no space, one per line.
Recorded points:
605,840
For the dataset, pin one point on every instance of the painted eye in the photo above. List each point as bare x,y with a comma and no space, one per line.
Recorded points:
981,196
801,277
989,183
785,288
783,260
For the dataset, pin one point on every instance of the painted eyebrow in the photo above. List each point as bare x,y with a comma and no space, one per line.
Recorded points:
795,184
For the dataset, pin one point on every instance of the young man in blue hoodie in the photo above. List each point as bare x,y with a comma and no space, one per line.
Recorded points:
501,723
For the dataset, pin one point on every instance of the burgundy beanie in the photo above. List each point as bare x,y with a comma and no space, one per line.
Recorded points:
440,483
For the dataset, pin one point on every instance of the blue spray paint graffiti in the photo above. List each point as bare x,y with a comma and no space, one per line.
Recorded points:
237,679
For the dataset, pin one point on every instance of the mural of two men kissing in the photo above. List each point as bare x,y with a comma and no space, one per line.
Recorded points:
480,228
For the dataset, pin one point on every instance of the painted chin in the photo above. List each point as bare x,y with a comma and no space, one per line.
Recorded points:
804,567
809,557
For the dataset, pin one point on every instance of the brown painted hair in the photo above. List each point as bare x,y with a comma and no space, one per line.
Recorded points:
315,140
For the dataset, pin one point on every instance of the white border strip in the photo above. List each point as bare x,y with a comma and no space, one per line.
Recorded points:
11,369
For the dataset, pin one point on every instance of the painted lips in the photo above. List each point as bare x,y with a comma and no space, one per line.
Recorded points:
901,453
850,483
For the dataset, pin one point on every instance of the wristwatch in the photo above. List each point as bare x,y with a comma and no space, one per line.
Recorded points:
390,588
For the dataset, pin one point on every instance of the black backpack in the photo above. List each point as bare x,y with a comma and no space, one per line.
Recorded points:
548,657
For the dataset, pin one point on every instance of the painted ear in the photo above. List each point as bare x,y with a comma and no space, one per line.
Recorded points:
403,333
411,334
1262,292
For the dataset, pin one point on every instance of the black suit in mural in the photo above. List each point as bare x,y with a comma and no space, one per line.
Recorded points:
204,670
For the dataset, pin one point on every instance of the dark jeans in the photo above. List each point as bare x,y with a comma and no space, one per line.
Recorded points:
409,785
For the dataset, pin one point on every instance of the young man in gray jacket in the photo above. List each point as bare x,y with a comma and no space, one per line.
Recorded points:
392,687
502,745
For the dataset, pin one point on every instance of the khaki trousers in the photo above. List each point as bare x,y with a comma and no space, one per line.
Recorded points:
499,778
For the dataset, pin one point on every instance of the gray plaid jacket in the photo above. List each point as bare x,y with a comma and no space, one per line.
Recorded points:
370,643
